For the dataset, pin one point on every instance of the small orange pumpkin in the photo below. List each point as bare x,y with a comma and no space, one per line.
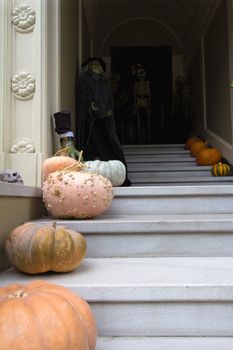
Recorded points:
191,140
197,147
208,156
37,248
44,316
56,163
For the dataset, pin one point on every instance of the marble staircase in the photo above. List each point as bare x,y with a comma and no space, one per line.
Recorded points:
159,269
167,165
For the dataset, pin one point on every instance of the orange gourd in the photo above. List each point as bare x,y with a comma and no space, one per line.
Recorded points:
37,248
197,147
76,195
191,140
44,316
220,169
208,156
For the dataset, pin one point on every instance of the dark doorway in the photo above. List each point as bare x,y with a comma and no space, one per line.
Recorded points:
142,87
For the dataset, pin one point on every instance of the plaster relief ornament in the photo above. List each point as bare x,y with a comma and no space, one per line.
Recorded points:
23,18
23,85
23,145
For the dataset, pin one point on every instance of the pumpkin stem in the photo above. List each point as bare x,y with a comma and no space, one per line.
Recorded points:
80,156
61,150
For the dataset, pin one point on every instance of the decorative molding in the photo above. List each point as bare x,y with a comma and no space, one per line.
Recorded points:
23,145
23,85
23,18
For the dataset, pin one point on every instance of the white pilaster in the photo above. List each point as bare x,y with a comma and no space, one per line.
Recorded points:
29,85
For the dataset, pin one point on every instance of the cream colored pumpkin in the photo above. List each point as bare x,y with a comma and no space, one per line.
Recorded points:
76,195
114,170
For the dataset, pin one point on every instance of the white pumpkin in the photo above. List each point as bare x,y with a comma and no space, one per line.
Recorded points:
113,170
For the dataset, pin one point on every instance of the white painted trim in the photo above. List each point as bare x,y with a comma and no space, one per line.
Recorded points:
136,19
230,43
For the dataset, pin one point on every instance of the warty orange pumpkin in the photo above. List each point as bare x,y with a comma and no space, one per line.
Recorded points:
37,248
76,195
44,316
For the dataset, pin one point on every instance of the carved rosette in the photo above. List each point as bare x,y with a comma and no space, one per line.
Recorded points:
24,18
23,145
23,85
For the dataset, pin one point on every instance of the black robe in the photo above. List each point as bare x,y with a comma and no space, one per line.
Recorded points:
96,132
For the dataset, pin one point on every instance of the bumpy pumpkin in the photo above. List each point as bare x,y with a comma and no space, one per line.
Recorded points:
220,169
76,195
37,248
197,147
56,163
114,170
208,156
44,316
191,140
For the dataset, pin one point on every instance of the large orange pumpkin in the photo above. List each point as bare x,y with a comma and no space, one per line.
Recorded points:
76,195
191,140
37,248
44,316
208,156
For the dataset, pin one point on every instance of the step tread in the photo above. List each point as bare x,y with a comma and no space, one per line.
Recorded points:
183,179
172,223
143,279
165,343
209,189
171,167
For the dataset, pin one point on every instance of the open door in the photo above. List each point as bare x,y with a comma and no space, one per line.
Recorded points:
142,86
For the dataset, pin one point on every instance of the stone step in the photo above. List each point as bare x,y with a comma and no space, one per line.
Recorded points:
154,158
157,151
172,199
165,343
157,166
182,180
151,146
172,174
154,235
149,297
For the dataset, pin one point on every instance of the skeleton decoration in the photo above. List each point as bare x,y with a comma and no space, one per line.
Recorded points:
141,99
11,176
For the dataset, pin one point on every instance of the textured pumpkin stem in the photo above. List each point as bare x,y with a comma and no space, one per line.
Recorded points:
80,156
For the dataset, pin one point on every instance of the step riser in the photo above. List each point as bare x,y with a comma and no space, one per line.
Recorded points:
157,151
171,205
164,319
166,167
170,343
142,175
160,157
159,245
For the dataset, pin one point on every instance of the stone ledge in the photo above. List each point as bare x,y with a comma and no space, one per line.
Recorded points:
17,190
